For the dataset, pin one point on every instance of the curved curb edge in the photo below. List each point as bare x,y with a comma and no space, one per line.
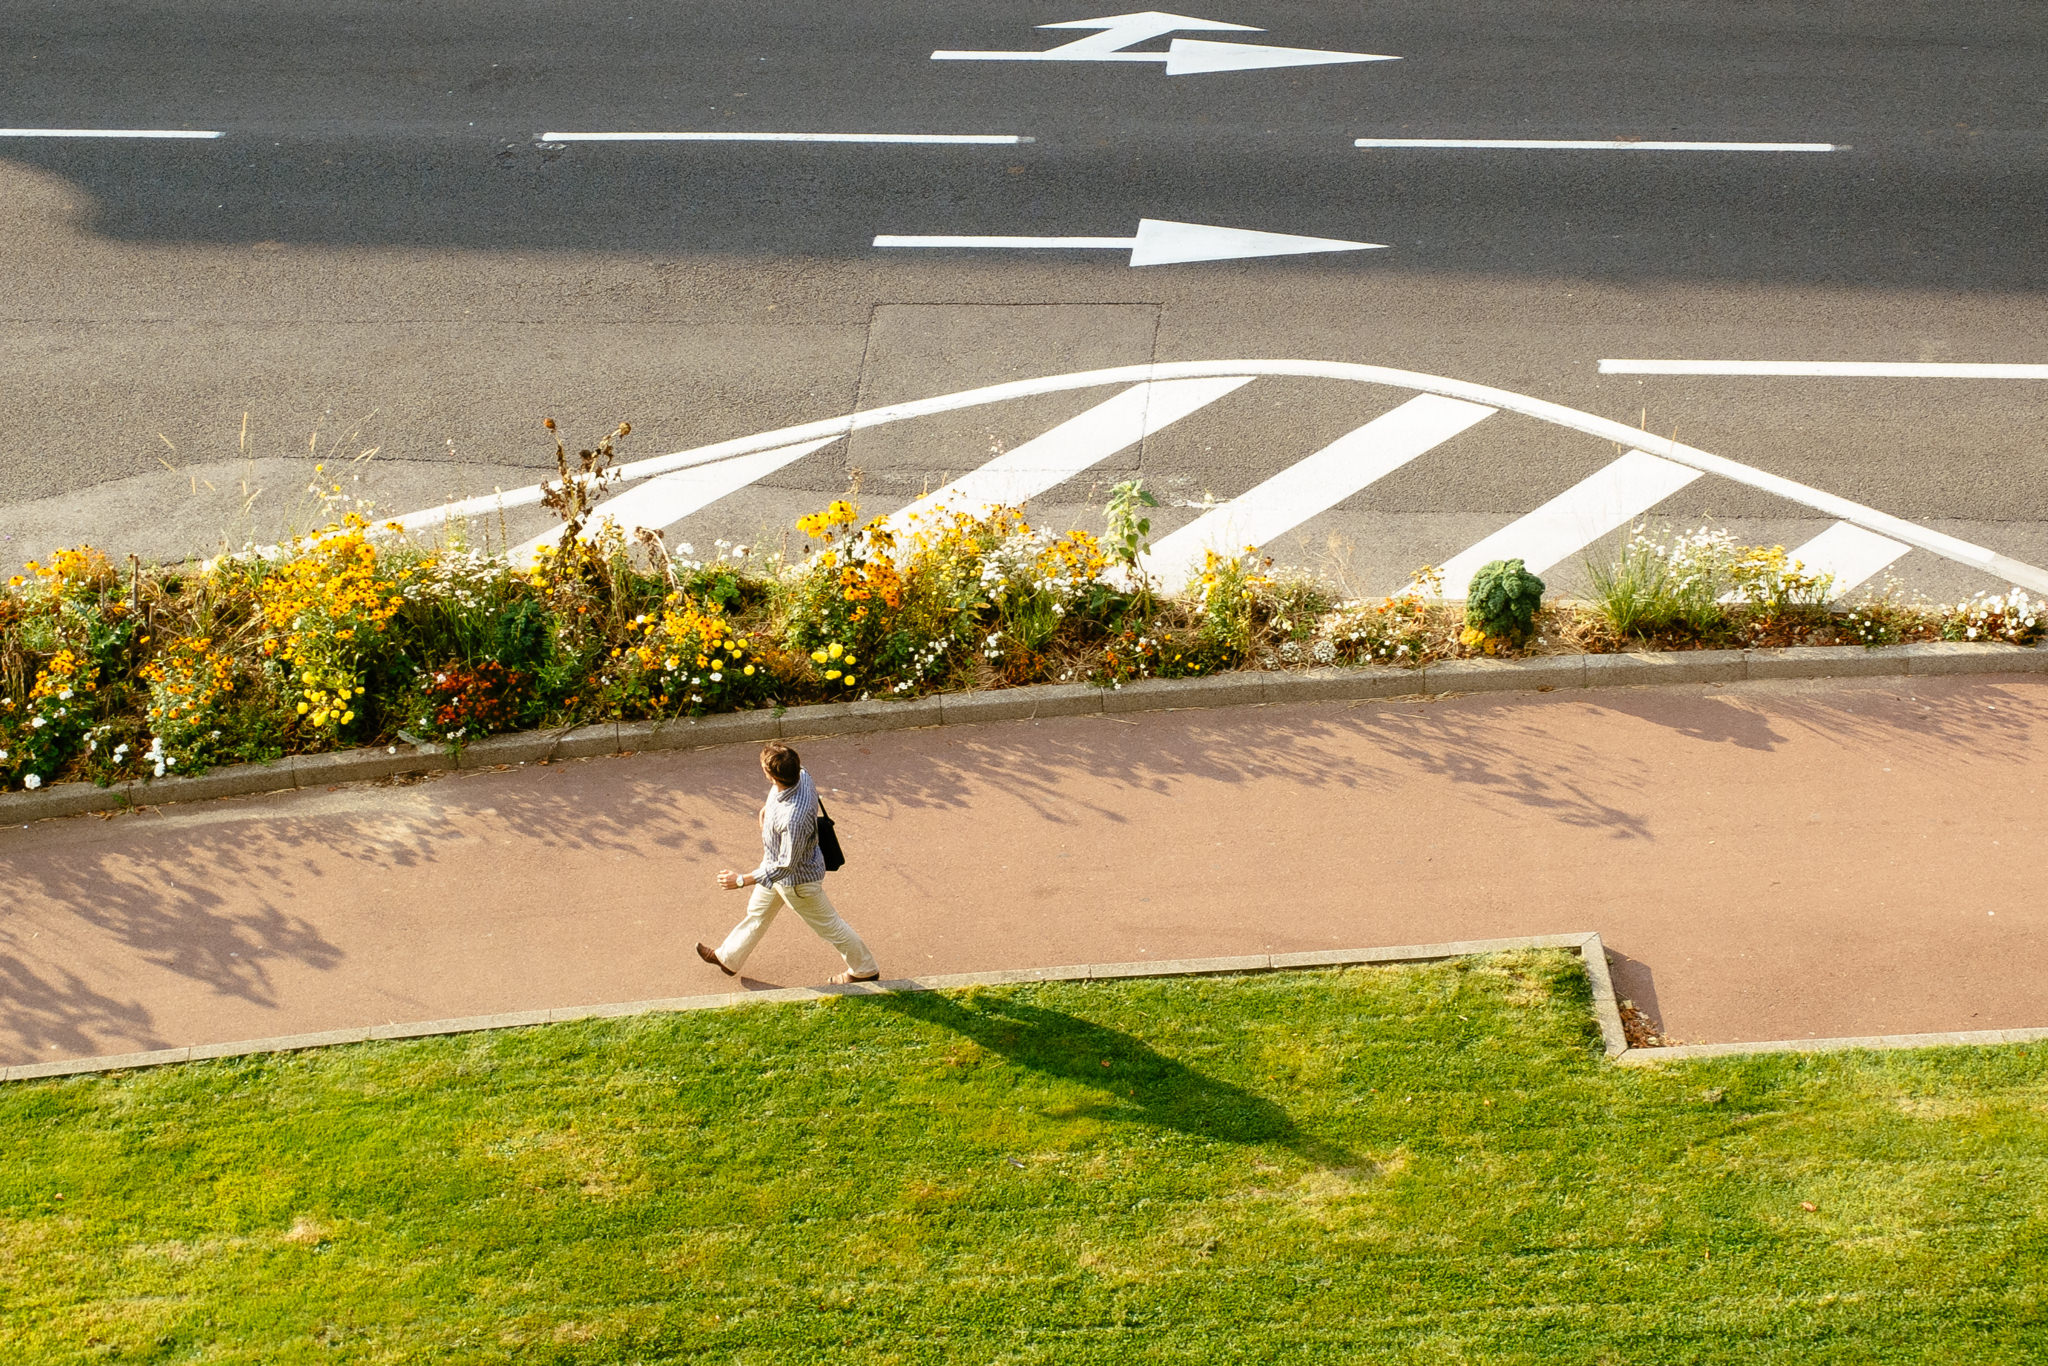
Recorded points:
1243,688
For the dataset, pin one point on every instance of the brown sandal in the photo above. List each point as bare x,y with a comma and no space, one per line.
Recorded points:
713,959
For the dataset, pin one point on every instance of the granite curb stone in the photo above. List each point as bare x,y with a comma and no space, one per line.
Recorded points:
1676,666
1345,685
1969,657
289,1043
1020,704
1181,967
1954,1038
362,765
1542,673
1161,694
1826,661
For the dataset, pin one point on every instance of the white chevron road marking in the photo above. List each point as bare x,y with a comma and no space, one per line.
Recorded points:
1315,484
1849,553
1234,373
1049,460
666,499
1605,501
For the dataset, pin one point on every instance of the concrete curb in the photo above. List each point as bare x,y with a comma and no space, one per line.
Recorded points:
1542,674
1955,1038
1587,945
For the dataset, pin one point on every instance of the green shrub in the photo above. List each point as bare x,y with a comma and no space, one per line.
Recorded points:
1502,601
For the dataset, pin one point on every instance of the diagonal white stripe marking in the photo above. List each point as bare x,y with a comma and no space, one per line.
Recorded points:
1314,485
1940,543
1582,514
1071,447
1849,553
667,499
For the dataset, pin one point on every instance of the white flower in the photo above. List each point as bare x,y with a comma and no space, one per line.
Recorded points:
37,724
31,782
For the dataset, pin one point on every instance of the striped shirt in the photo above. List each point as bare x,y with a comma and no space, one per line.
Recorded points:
789,836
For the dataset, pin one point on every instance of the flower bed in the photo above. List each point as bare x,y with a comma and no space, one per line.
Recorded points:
355,635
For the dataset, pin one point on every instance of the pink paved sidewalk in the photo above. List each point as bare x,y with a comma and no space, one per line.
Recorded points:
1765,860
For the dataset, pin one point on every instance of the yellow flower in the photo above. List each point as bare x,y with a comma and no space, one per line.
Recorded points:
836,650
303,709
849,680
831,673
817,656
748,671
319,718
347,717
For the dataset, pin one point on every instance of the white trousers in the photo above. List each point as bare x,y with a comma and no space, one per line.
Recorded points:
807,900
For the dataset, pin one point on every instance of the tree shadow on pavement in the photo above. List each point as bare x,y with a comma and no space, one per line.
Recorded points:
1137,1083
58,1014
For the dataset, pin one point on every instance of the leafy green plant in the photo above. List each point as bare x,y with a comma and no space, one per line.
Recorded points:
1502,601
1128,529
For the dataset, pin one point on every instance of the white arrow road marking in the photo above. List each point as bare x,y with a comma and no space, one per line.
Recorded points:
1848,369
104,133
666,499
1183,56
1049,460
1605,501
1595,145
1159,242
2002,567
1193,57
1314,485
1851,554
941,139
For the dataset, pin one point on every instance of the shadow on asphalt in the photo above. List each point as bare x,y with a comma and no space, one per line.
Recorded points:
1136,1083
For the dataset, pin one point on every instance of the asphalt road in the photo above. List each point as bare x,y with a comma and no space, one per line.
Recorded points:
382,250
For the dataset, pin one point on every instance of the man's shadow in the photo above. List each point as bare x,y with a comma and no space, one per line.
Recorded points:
1138,1084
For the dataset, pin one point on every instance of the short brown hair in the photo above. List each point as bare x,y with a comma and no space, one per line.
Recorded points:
781,762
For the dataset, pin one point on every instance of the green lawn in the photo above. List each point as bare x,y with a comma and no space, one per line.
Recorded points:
1421,1165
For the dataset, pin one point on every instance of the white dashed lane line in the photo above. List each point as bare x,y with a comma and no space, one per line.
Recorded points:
1841,369
107,133
1593,145
927,139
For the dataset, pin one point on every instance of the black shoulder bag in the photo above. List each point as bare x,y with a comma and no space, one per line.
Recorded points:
828,841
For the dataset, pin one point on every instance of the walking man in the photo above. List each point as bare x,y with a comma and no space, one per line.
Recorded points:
792,873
